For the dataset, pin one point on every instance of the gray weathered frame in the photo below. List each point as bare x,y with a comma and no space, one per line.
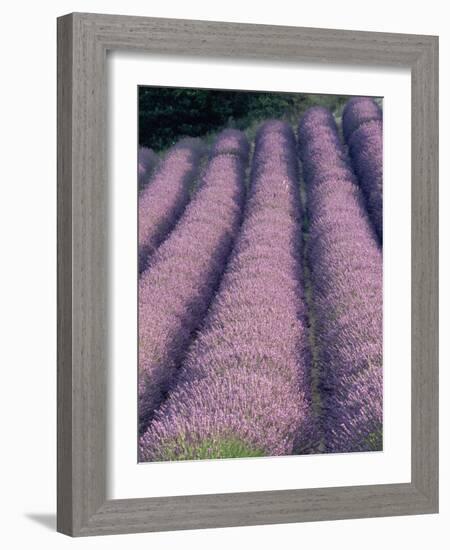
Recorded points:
83,40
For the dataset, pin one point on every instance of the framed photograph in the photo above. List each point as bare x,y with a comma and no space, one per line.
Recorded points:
247,274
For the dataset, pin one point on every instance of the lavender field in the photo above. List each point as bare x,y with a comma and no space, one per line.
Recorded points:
260,288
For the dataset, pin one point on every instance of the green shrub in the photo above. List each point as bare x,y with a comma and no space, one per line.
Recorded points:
168,114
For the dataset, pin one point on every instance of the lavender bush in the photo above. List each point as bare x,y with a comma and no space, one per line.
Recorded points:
147,163
346,271
231,141
366,151
176,289
166,195
243,389
363,128
357,111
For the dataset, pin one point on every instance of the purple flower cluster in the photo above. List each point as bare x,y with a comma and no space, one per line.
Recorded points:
357,111
243,389
183,273
362,121
166,195
346,272
147,163
233,142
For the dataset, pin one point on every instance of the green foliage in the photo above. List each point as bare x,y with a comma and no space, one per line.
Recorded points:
168,114
375,440
209,449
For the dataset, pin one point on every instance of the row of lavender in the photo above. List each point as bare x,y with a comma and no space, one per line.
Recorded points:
164,199
362,124
346,270
243,388
148,161
182,275
244,384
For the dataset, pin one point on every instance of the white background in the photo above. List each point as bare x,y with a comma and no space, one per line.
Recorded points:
28,302
127,479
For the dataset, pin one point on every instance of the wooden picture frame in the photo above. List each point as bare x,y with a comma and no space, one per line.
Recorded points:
83,40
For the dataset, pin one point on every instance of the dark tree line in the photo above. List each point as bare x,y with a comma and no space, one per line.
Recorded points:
168,114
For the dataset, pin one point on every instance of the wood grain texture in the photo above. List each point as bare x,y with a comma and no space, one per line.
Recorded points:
83,318
64,267
424,279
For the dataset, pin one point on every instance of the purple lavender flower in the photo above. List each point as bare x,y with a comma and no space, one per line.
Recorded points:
244,388
233,142
366,150
165,197
147,163
346,271
357,111
176,289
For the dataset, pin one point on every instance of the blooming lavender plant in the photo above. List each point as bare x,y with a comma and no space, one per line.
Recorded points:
366,151
346,271
231,141
147,163
357,111
166,195
363,130
176,289
244,388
